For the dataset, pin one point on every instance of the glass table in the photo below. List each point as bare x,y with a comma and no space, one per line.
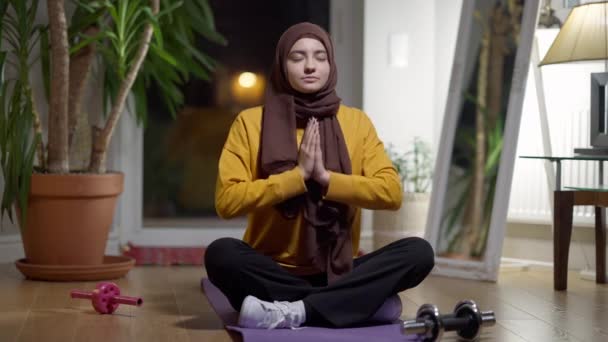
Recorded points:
558,165
564,201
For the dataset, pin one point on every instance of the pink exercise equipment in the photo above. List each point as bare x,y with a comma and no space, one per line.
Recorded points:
106,297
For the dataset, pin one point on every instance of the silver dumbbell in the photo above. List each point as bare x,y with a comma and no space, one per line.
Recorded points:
467,320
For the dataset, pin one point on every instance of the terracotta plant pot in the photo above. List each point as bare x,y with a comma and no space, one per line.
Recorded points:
69,218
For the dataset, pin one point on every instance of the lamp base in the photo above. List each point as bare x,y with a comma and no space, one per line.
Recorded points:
592,151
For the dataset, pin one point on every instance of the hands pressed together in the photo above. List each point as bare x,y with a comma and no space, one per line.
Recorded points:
310,157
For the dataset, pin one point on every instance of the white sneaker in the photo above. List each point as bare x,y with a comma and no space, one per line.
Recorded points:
390,310
259,314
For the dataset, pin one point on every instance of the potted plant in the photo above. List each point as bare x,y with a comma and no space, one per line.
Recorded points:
112,48
415,170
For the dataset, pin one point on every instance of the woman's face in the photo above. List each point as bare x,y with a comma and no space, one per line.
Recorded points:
307,66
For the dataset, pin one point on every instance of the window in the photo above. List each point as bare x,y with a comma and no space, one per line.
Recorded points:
181,154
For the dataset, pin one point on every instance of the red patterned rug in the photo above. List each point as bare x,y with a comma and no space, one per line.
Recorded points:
164,256
167,256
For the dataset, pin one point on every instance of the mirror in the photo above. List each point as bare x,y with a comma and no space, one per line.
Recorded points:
476,155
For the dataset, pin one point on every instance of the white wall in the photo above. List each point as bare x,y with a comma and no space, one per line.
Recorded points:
409,101
400,100
447,18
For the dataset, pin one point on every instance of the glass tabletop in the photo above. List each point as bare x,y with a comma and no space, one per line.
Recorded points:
596,188
559,158
558,170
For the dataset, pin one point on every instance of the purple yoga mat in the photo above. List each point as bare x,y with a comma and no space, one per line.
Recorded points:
376,333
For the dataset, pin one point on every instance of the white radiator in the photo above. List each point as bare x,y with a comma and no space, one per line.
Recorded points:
530,201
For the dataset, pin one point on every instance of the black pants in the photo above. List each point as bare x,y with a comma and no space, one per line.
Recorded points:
238,271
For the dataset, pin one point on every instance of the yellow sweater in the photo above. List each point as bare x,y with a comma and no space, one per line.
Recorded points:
374,184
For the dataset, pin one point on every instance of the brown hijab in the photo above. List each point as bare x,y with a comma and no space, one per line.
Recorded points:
328,231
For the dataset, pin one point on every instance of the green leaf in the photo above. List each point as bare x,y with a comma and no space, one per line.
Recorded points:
112,11
207,13
83,18
170,8
493,159
164,55
86,41
195,69
137,32
152,19
206,61
207,32
141,101
173,55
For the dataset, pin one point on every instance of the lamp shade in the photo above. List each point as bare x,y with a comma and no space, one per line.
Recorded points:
583,37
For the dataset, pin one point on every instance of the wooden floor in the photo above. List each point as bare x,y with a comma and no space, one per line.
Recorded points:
526,307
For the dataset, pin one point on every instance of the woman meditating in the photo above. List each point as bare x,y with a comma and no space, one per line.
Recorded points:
301,167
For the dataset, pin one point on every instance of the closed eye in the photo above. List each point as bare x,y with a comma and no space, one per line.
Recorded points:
296,56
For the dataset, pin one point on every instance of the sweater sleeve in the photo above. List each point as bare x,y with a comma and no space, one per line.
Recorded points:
379,186
236,192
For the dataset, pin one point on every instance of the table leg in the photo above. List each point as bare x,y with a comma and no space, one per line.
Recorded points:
563,202
558,175
600,245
